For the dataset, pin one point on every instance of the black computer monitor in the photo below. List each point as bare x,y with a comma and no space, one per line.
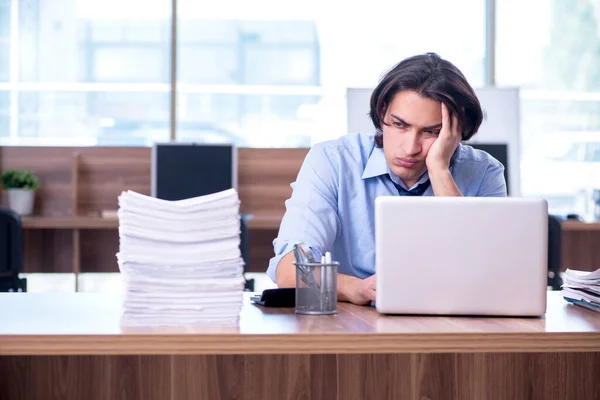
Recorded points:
499,152
185,170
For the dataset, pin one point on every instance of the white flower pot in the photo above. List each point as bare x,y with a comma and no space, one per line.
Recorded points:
21,201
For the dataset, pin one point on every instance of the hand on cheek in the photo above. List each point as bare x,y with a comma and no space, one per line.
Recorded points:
442,149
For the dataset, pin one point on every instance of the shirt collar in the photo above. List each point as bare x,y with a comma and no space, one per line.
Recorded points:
377,165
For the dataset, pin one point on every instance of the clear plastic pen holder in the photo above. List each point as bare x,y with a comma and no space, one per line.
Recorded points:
316,288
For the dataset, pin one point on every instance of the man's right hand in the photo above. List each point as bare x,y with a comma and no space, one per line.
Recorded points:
356,290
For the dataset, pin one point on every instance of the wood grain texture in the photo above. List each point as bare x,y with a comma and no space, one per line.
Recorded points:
100,242
75,184
276,377
383,376
91,222
516,376
578,226
98,250
47,251
324,372
102,173
31,223
264,178
140,377
580,250
52,324
261,249
298,344
209,377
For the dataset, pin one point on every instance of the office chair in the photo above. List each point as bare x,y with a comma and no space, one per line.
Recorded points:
11,252
554,252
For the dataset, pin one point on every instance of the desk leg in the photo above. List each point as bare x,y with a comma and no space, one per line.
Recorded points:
76,257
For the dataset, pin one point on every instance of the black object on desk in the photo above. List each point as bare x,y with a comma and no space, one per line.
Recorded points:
575,217
282,297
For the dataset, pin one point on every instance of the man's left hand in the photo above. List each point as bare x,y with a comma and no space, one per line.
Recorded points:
441,151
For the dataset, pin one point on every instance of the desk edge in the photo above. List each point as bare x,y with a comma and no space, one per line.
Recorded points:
359,343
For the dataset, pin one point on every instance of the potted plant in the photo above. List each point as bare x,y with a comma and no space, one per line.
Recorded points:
21,186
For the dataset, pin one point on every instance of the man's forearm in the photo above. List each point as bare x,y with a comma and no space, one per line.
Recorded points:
286,271
443,183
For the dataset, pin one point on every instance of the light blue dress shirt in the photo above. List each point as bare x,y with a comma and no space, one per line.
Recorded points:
332,207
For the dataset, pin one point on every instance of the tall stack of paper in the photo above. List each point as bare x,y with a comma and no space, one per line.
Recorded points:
180,260
582,288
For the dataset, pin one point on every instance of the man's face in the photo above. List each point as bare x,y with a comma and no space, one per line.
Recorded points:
412,124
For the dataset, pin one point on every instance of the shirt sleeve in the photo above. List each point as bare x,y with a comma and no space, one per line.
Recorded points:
311,212
493,183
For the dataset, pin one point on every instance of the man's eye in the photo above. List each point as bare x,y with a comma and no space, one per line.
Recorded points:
433,132
399,124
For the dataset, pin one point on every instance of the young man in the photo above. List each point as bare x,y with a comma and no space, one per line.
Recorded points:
421,109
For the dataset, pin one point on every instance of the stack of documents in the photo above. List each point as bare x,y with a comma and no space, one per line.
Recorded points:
582,288
180,260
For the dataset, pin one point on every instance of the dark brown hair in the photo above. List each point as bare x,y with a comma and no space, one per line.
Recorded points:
432,77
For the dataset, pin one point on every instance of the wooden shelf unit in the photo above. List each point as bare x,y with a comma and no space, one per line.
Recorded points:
78,184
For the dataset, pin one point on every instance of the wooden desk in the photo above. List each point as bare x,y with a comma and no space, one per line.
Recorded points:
72,346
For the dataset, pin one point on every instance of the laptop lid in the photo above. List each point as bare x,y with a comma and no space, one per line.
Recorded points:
461,255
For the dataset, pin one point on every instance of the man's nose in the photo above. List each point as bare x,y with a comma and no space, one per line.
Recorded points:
412,143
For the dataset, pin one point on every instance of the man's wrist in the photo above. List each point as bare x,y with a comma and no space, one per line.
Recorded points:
346,287
443,183
439,172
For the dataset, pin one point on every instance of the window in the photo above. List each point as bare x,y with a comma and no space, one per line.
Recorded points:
554,58
268,74
259,73
84,72
272,73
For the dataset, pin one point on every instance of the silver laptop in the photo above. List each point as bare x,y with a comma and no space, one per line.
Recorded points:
461,255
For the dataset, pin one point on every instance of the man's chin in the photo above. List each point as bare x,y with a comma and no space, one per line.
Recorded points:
408,174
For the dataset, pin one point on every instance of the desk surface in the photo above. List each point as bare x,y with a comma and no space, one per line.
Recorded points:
89,323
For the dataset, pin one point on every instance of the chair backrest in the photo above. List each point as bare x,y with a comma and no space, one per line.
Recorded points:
11,243
554,251
244,244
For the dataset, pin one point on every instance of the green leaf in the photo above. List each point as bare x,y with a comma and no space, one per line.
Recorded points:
19,179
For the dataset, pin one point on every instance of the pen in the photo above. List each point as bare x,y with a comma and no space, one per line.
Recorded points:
328,280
